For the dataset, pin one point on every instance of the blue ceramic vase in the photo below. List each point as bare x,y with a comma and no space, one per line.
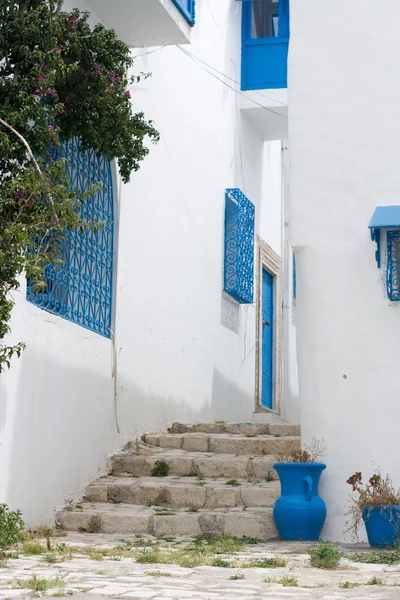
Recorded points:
383,525
299,513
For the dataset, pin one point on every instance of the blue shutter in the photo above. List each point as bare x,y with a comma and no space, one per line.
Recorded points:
264,60
81,288
187,9
239,246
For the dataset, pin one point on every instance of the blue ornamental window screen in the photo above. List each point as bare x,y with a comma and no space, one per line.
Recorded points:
239,246
393,266
81,288
187,9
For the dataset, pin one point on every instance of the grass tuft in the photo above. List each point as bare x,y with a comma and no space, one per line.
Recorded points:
265,563
347,585
325,556
32,548
237,577
158,574
377,557
288,581
375,581
160,469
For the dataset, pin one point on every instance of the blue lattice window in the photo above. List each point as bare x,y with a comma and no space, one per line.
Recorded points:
393,266
81,289
239,246
187,9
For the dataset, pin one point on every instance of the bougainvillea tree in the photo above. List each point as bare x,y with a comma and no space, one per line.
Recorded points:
59,78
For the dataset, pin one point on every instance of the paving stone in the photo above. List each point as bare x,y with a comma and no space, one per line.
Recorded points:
195,443
180,496
180,524
259,496
222,497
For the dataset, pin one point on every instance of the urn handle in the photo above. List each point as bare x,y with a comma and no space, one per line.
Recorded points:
309,483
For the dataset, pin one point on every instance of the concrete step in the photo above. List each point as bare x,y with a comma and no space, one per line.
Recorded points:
127,519
238,428
223,443
195,464
180,492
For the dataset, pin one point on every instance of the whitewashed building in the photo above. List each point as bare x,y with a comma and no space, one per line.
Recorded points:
172,323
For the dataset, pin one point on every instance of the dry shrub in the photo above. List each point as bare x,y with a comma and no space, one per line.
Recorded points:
379,491
310,454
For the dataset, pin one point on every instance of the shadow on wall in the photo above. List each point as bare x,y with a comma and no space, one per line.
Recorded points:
63,428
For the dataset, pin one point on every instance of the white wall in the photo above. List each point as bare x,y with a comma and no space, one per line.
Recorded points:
344,123
184,349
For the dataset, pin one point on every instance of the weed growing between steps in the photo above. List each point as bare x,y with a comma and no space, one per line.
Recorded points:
347,585
40,586
265,563
160,469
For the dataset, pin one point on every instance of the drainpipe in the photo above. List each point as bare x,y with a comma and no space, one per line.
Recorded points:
286,280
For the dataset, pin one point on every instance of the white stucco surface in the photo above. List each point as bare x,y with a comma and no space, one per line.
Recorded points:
344,114
185,350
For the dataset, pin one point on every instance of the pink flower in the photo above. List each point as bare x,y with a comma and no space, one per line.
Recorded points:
38,93
52,128
57,49
128,94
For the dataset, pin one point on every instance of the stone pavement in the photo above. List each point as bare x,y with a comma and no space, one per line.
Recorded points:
83,578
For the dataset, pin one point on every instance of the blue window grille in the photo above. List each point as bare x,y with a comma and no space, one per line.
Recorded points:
265,43
239,246
294,276
393,266
187,9
81,288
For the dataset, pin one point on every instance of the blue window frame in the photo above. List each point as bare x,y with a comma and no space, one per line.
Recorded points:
265,42
294,276
81,288
239,246
393,266
187,9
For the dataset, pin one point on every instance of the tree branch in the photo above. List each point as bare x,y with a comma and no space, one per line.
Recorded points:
33,159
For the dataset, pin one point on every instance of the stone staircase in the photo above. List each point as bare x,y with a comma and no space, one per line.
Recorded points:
198,479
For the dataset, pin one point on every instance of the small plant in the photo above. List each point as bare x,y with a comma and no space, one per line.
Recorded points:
375,581
150,502
32,548
270,580
233,482
347,585
50,558
160,469
237,577
41,586
157,574
288,581
192,510
265,563
325,556
251,540
269,476
378,492
201,483
163,512
220,422
11,527
220,562
310,454
137,447
69,505
377,557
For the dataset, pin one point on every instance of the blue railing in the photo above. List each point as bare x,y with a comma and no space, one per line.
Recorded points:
239,246
81,288
187,9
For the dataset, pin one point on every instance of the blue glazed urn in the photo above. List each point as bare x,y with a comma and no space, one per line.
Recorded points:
299,513
383,525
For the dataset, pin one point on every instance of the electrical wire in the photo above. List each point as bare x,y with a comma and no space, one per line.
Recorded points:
227,76
232,88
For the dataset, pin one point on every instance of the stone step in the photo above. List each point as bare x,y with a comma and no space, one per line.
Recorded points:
127,519
179,492
281,429
195,464
223,443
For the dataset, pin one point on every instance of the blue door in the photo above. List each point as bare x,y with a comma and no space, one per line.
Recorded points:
267,350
